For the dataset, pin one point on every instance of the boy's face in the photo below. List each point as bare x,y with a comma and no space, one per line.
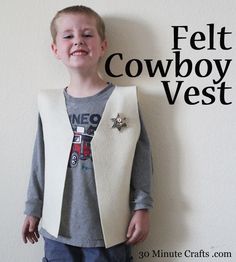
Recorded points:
78,43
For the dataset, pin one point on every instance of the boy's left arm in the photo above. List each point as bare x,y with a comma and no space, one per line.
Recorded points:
140,190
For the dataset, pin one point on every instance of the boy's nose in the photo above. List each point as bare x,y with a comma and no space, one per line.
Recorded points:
79,42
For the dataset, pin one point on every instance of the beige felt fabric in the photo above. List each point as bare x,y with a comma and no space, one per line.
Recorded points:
58,137
112,152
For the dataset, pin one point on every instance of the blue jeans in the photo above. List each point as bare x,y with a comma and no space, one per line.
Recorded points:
59,252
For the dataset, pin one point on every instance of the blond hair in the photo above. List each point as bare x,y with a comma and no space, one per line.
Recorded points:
79,9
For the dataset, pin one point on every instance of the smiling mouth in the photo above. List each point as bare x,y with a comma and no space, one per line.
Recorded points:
79,53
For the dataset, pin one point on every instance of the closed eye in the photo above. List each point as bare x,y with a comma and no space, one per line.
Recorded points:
67,36
87,35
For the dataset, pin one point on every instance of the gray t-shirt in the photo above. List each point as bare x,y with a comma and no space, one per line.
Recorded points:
80,221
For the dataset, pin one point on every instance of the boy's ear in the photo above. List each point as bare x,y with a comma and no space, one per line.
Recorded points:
54,50
104,46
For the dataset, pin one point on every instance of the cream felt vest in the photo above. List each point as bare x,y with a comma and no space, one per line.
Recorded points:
112,152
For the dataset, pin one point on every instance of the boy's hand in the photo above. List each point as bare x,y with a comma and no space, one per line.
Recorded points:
30,229
138,227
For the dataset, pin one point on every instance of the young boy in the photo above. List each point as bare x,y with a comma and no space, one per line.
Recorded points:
91,162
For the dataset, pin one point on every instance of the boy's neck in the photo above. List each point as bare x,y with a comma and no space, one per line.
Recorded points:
83,85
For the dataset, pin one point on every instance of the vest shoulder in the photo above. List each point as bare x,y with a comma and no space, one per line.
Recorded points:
123,88
127,92
49,97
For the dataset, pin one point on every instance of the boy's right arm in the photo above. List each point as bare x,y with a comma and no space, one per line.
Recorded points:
34,202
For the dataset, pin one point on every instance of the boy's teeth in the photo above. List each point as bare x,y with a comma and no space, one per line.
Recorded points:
79,52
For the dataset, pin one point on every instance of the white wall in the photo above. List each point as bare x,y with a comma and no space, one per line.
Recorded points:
194,146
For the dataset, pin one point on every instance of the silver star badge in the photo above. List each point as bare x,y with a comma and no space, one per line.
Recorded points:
119,122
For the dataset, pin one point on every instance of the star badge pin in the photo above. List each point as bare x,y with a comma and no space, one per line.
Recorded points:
119,122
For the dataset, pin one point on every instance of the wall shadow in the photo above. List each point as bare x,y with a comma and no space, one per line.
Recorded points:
168,219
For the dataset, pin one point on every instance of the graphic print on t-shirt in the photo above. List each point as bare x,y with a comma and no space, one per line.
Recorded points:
83,126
